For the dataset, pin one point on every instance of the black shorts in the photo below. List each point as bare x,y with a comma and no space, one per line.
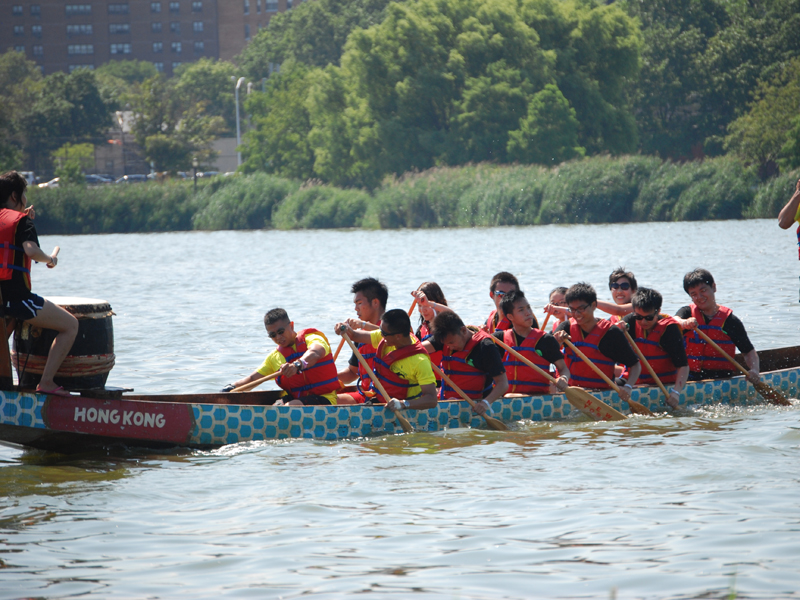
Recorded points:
315,400
25,309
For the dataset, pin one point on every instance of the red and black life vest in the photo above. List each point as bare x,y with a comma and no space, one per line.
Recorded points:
364,383
319,379
521,378
798,241
472,381
582,374
703,356
502,325
651,348
9,219
395,386
423,334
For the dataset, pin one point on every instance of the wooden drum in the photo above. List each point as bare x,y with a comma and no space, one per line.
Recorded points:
91,357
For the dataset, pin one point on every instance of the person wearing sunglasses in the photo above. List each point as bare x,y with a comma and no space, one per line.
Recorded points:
720,324
401,363
660,339
623,286
604,344
307,370
501,284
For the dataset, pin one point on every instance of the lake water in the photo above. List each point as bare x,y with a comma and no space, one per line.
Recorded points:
701,506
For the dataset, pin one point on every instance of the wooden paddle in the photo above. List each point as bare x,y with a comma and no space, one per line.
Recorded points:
490,421
640,354
254,384
546,319
411,310
769,393
636,407
578,397
400,418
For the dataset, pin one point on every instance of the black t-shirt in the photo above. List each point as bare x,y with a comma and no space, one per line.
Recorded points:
671,341
613,345
16,288
547,347
732,326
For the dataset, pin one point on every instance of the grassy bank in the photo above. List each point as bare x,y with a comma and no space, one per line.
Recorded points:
595,190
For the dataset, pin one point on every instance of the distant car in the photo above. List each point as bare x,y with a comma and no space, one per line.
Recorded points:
53,183
29,176
97,180
132,179
208,174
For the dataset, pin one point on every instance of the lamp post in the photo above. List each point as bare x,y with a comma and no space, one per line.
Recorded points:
194,168
238,128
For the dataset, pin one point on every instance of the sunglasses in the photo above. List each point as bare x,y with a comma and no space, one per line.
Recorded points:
647,318
274,334
387,334
624,286
499,293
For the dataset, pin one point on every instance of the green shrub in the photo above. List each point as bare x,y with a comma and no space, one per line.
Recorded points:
722,189
772,196
321,207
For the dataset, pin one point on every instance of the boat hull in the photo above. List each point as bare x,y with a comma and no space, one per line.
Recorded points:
78,423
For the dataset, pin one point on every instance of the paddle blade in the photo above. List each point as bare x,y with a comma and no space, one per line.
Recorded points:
770,394
404,423
592,407
639,409
495,424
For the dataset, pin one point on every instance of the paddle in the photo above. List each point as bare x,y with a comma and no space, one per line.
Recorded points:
400,418
254,384
640,354
490,421
578,397
636,407
769,393
546,319
341,341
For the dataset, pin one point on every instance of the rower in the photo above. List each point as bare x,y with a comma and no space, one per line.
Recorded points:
501,284
401,363
604,344
304,360
470,359
623,286
430,302
369,297
557,305
718,323
534,344
660,339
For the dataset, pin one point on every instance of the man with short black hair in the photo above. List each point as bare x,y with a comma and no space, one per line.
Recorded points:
718,323
501,284
470,359
604,344
622,285
660,339
400,362
304,359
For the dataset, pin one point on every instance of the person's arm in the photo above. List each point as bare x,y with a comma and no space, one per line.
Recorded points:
359,336
34,252
422,300
672,343
548,348
315,352
562,382
615,346
615,309
271,364
788,213
499,390
559,311
685,319
753,365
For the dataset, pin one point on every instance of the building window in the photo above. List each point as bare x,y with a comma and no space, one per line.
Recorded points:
197,6
119,28
247,7
79,30
175,65
247,32
197,26
16,10
118,9
78,9
159,66
155,7
19,29
174,7
158,47
36,30
271,5
38,51
73,67
288,4
80,49
258,6
199,47
175,27
36,10
155,27
19,49
120,48
176,47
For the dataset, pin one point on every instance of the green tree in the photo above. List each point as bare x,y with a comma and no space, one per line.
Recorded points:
19,81
129,71
207,83
72,160
168,153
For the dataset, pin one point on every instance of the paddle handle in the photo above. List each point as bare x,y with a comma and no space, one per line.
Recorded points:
338,349
649,368
402,420
546,319
716,347
593,366
413,305
519,356
254,384
448,381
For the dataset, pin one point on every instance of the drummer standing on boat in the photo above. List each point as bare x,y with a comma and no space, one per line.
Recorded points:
304,360
20,246
790,214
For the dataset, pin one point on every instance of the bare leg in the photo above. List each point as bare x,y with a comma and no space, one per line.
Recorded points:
56,318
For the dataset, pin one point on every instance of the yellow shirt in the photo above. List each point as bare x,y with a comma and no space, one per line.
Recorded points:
797,214
414,369
275,359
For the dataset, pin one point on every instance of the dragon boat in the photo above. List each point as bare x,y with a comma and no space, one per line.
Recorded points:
105,418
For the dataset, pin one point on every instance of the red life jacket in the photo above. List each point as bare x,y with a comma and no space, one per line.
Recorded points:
423,334
798,241
364,383
613,319
582,374
521,378
701,355
320,379
395,386
651,348
472,381
9,219
502,325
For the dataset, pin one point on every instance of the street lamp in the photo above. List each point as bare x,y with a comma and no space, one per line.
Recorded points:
194,168
238,128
